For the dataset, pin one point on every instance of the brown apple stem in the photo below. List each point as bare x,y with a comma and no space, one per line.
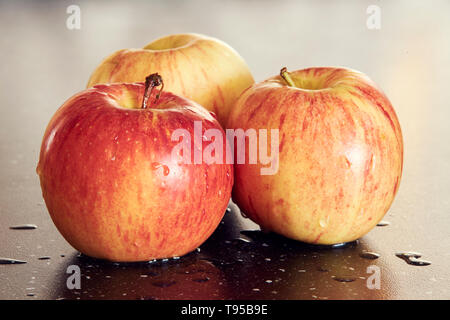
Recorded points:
152,81
286,77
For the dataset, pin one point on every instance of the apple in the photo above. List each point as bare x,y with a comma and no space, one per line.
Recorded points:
111,184
340,155
194,66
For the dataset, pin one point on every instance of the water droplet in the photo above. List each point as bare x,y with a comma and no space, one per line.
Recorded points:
324,222
244,239
200,280
343,279
228,210
157,165
11,261
369,255
24,227
163,283
347,162
268,281
256,289
412,258
383,223
44,258
321,269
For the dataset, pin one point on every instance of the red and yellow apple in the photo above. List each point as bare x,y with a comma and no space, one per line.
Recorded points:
340,155
111,184
200,68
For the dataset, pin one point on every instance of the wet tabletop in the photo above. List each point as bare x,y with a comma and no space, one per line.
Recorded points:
44,63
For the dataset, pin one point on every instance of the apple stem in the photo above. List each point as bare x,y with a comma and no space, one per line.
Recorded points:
286,77
152,81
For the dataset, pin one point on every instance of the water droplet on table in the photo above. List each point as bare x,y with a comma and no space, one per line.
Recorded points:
383,223
412,258
24,227
200,280
163,283
11,261
343,279
369,255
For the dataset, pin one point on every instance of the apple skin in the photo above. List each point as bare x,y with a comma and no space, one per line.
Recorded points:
109,181
340,155
194,66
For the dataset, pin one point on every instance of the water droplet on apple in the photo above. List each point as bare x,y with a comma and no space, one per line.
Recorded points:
113,158
347,162
166,170
324,222
157,165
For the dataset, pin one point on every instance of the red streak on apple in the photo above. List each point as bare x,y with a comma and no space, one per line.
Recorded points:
111,185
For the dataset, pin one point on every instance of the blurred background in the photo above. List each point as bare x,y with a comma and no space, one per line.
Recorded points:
406,52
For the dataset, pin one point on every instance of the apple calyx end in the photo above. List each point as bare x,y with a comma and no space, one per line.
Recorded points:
152,81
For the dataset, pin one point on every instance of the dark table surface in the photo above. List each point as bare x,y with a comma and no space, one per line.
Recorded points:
44,63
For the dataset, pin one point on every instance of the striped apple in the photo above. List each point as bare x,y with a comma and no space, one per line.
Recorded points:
203,69
340,155
110,181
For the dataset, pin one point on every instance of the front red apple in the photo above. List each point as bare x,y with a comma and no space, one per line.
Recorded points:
340,155
110,181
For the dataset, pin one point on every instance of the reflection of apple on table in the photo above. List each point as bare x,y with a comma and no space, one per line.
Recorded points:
189,278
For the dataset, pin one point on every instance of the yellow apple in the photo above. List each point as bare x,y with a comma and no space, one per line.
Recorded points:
195,66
